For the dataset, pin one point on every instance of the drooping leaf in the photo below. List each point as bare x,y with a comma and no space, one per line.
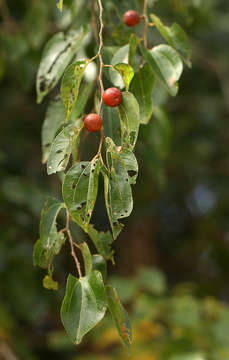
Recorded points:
49,283
57,54
116,227
133,44
86,257
48,231
60,5
54,118
70,85
102,242
127,73
80,190
166,65
121,56
84,305
117,184
62,147
142,87
99,263
119,316
111,124
176,37
129,119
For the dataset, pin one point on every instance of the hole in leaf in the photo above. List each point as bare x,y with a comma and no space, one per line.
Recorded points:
73,186
83,166
59,151
47,145
132,173
83,204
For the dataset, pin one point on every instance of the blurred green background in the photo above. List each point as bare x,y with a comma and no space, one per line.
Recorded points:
172,258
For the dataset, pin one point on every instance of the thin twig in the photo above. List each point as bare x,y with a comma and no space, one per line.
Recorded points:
72,244
100,53
145,15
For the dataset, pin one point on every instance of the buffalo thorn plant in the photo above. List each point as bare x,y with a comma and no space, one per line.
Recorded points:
129,74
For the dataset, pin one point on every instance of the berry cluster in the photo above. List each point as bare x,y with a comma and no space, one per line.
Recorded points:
112,96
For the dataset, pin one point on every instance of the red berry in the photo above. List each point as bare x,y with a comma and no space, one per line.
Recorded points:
131,18
93,122
112,97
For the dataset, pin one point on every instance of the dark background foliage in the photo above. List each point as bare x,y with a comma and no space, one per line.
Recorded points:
180,218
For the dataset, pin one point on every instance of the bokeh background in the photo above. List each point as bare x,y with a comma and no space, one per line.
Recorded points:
172,259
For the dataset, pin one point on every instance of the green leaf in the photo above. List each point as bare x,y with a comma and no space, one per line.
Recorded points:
48,232
57,54
129,119
70,85
60,5
116,227
86,257
84,305
121,56
102,242
176,37
39,255
62,147
49,283
100,264
117,184
111,124
54,118
43,256
142,87
85,92
119,316
133,44
127,73
80,189
129,161
166,65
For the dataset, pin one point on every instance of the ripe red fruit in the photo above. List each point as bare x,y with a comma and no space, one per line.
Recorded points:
131,18
112,97
93,122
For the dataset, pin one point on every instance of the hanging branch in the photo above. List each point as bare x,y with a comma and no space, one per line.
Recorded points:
67,230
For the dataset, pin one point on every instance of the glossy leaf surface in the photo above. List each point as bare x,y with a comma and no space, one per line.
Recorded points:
57,54
176,37
54,118
70,85
80,190
129,115
166,65
84,305
62,146
142,87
